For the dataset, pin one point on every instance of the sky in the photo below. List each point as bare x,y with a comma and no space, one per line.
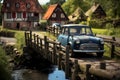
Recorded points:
43,1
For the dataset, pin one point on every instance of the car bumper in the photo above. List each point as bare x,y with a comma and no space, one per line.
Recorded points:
90,51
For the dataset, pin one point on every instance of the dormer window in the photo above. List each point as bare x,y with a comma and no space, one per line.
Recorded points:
17,5
8,5
28,5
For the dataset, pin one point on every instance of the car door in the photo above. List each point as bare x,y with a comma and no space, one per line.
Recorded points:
63,38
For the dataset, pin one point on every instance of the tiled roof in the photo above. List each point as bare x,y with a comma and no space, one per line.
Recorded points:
34,6
77,15
50,11
92,9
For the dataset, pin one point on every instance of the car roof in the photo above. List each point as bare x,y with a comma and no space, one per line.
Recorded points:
70,25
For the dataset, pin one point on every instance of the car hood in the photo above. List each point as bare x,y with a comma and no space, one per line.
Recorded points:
85,39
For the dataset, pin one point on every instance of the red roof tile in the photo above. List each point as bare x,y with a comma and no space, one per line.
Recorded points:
34,6
50,11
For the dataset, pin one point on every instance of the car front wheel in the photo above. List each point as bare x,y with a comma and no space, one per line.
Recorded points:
99,54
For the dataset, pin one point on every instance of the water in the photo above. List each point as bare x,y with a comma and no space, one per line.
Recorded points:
28,74
57,75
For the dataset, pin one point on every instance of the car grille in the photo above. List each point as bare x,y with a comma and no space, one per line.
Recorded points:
89,46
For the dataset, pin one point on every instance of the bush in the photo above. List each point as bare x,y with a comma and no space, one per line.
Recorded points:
6,33
4,71
42,26
96,23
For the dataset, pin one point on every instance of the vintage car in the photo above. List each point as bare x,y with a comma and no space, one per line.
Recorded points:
81,39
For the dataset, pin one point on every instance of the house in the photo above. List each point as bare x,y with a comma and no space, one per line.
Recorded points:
55,13
96,11
79,15
21,13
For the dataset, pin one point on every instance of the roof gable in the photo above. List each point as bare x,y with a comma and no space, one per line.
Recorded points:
24,5
77,15
49,11
52,9
96,8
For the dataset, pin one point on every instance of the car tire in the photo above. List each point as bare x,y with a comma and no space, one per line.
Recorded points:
99,54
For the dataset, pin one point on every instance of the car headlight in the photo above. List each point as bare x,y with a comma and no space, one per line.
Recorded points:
77,41
101,41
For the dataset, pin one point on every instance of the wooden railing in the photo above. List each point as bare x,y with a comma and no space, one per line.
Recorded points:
54,30
74,68
112,44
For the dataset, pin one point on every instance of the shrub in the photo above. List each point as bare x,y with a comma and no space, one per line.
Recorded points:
42,26
4,70
6,33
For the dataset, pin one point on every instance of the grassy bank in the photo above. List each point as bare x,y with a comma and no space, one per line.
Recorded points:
4,66
110,32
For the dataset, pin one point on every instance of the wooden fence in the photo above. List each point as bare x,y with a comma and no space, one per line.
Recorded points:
53,30
74,69
113,45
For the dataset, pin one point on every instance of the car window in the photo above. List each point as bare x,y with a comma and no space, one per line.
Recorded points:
88,31
82,31
73,31
66,31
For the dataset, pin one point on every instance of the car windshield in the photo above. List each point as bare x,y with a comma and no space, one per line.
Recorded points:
80,31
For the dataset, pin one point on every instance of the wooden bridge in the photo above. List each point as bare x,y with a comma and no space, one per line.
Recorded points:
75,68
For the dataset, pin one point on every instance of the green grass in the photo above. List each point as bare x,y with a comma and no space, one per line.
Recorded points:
99,31
110,32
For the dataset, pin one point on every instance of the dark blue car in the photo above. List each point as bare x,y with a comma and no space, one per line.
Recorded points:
80,39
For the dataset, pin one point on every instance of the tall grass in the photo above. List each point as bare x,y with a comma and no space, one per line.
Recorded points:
19,35
4,66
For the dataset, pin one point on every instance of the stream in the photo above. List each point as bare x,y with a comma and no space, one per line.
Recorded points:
29,74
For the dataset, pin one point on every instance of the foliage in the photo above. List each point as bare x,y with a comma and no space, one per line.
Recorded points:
20,40
43,25
112,31
57,1
70,5
111,7
95,23
4,70
7,33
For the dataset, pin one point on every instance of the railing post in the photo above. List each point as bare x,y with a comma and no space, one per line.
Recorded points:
88,76
59,61
112,47
38,42
67,62
30,38
45,47
75,72
26,38
54,54
102,65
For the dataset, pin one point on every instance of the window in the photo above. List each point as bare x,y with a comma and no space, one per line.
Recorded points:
62,15
19,15
54,15
17,5
9,15
8,5
28,5
29,14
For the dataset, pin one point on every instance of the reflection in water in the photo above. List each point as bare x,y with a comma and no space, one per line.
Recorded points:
57,75
28,74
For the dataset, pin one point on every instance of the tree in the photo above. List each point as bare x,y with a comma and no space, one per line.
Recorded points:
57,1
71,5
